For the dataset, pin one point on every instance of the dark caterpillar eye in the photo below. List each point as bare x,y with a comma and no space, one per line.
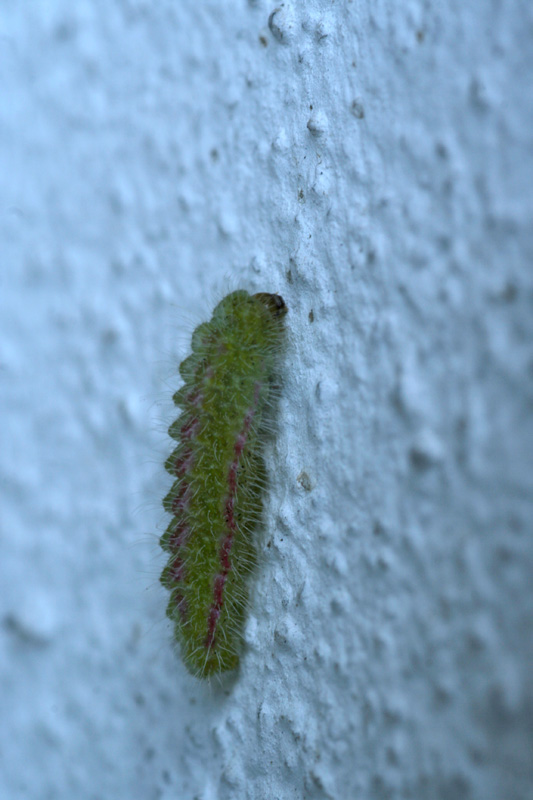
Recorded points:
274,302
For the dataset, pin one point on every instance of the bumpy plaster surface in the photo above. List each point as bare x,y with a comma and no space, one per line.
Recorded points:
371,162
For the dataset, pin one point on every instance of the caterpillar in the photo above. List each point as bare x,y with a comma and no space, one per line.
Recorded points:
227,405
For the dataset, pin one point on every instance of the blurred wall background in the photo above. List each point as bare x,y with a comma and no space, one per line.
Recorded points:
371,162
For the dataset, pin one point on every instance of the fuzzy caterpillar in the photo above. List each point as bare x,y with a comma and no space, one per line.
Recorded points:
226,403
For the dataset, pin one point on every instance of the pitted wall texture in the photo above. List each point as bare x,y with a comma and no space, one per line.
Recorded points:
372,163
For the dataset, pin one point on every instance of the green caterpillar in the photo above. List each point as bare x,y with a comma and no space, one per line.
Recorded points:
227,404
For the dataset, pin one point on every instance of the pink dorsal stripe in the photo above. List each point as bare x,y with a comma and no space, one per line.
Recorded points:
184,462
227,542
179,535
189,428
181,500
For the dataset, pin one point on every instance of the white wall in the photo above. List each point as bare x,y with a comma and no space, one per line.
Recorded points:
372,162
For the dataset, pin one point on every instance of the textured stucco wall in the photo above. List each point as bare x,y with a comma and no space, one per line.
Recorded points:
372,162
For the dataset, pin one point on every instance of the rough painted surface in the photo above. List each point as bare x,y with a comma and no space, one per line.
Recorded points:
371,162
